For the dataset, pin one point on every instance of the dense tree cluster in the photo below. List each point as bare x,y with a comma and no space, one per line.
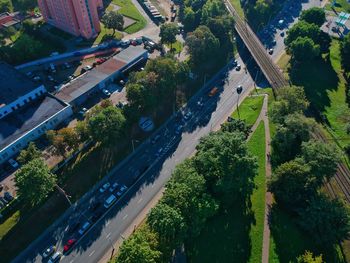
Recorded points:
113,20
304,166
345,53
222,171
305,40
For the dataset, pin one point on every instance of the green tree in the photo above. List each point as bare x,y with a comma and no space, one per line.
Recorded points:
186,192
314,15
345,53
303,49
107,126
327,221
113,20
6,6
168,33
289,184
25,5
64,140
29,154
140,247
236,126
202,46
303,29
287,141
290,100
227,166
169,224
34,181
212,9
322,158
189,18
82,130
222,27
308,257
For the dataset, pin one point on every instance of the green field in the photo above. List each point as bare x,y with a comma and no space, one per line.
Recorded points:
250,109
341,5
235,234
127,8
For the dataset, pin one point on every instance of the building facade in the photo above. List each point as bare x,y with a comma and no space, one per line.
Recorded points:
77,17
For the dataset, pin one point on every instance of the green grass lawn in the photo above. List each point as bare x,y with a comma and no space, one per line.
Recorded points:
250,109
341,5
176,47
107,33
128,9
237,5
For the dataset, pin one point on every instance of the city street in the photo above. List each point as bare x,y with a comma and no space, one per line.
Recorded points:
152,164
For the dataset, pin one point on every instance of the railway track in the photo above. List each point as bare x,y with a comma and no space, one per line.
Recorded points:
277,81
268,67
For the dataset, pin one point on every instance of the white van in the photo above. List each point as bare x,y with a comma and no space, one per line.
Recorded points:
109,201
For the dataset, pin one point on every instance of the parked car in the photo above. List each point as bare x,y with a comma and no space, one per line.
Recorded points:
73,227
187,116
159,152
213,92
271,51
8,196
100,61
50,78
122,190
155,139
109,201
104,187
70,243
178,129
113,187
238,67
49,251
86,68
106,92
55,258
85,227
36,78
13,163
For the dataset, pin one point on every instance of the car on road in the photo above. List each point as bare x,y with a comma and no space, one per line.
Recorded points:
85,227
50,78
113,187
55,257
188,116
159,152
100,61
213,92
178,129
13,163
200,103
104,187
36,78
106,92
49,251
122,190
109,201
271,51
238,67
155,139
86,68
70,243
83,111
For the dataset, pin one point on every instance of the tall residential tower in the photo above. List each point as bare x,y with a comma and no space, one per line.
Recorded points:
78,17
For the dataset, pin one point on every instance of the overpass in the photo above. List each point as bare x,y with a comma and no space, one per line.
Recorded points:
272,73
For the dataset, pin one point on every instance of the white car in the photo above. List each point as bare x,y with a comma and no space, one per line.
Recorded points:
55,258
106,92
104,187
113,187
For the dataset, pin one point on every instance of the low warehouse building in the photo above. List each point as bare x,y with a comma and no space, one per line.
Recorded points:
79,90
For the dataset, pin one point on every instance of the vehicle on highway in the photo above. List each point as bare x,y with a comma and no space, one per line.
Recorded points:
100,61
238,67
49,251
200,103
213,92
113,187
55,257
271,51
85,227
106,92
13,163
83,111
158,153
104,187
188,116
71,77
155,139
86,68
69,245
122,190
109,201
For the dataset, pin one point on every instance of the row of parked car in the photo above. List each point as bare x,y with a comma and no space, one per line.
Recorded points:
6,199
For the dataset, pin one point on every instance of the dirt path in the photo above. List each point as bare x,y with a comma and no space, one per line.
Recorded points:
268,197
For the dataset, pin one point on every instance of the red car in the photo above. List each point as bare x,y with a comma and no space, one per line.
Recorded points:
69,245
100,61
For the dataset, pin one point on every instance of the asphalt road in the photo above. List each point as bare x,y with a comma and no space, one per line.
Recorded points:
157,165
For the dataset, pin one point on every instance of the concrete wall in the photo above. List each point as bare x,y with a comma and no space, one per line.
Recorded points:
38,92
16,146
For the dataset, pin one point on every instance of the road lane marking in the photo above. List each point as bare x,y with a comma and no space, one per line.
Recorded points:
108,235
125,217
92,253
139,200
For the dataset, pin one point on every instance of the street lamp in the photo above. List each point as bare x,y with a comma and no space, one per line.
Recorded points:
239,90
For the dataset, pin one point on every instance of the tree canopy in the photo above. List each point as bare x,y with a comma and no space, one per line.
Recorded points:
168,32
303,49
107,125
314,15
308,257
113,20
345,53
6,6
34,181
303,29
29,154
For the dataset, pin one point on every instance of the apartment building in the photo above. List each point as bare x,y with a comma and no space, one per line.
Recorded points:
77,17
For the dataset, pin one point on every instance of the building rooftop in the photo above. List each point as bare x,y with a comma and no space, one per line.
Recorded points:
13,84
89,80
20,122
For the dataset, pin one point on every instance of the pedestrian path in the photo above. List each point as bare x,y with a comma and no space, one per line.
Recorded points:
263,116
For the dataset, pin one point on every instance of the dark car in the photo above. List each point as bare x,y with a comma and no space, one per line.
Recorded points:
73,227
